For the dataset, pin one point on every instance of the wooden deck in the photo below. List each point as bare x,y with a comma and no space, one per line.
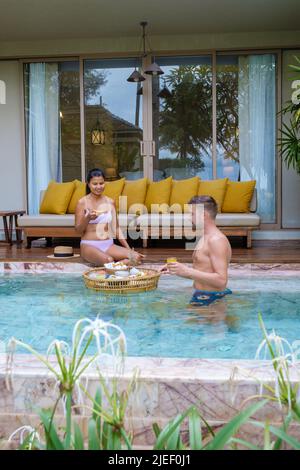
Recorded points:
261,252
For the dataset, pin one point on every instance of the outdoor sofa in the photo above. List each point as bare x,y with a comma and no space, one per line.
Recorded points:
147,211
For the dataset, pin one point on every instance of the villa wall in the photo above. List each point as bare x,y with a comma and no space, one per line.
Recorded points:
12,157
12,164
169,43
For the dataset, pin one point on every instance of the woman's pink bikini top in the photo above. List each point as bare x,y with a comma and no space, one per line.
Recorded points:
104,218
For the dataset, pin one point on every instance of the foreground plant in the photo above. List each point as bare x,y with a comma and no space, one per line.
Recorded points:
289,139
283,359
71,363
187,431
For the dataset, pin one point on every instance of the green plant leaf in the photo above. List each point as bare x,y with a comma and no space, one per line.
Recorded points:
156,429
68,420
53,442
94,443
97,404
169,429
282,435
195,430
26,442
126,438
173,441
78,438
104,436
244,443
285,426
230,429
116,440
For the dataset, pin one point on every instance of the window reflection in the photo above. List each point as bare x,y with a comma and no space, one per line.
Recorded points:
113,107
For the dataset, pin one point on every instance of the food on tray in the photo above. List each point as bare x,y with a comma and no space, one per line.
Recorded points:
134,280
134,271
122,273
128,274
97,275
118,266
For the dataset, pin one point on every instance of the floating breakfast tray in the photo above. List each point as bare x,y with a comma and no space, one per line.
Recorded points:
146,282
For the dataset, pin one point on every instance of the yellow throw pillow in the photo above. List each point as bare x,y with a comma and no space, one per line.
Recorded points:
135,192
79,192
57,198
158,193
182,191
114,189
215,189
238,196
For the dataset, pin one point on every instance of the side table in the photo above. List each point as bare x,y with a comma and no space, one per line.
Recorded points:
11,216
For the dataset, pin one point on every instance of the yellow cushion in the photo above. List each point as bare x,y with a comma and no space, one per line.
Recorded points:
182,191
57,198
79,192
135,192
238,196
158,193
114,189
215,189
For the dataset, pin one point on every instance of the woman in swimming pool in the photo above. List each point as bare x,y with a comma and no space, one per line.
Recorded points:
97,223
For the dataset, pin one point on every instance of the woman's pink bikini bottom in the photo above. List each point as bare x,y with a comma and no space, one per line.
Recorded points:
102,245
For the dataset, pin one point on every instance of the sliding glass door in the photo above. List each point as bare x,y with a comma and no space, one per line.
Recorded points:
182,118
213,121
246,125
113,118
52,123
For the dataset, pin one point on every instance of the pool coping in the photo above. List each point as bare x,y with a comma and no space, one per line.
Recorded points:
190,368
158,365
292,269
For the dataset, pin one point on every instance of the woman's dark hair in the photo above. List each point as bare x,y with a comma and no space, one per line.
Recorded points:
91,174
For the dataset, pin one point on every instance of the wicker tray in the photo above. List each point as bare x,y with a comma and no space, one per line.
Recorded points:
122,286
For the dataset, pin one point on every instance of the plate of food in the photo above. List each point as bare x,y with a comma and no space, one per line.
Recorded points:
116,266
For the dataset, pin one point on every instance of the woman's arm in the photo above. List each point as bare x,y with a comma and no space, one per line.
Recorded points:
119,233
134,256
82,218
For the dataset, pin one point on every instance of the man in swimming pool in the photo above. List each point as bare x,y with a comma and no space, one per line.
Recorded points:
211,257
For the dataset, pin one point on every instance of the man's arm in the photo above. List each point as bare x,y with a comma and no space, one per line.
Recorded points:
218,278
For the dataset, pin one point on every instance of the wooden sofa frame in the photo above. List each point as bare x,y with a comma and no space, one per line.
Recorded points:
157,232
33,233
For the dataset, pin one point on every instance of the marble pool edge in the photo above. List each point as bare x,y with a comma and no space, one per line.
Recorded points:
167,386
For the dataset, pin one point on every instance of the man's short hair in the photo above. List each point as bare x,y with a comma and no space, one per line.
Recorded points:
209,203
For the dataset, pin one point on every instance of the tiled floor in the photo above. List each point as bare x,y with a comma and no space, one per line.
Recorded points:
159,250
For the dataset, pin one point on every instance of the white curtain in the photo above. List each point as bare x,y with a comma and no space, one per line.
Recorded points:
257,120
44,137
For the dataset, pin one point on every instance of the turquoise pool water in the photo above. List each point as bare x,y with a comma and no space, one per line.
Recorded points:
38,308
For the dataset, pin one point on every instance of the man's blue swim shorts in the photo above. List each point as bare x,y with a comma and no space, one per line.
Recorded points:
206,297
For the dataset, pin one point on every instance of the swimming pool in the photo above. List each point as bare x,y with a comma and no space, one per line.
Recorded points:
39,308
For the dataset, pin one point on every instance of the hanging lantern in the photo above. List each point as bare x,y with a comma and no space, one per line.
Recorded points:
164,92
152,69
135,77
98,135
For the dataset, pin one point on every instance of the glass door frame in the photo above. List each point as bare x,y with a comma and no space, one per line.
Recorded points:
147,145
278,162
